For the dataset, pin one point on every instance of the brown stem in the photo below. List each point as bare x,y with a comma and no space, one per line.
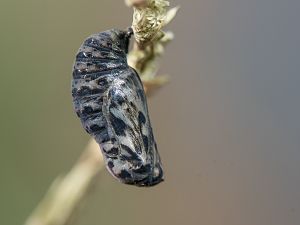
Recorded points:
67,191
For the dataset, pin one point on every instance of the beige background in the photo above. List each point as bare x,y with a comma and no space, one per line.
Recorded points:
227,126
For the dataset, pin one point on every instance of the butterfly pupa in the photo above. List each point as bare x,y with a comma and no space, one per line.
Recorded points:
109,99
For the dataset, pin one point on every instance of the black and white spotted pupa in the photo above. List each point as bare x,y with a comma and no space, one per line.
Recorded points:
110,101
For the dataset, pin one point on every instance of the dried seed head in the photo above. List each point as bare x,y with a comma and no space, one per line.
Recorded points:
148,19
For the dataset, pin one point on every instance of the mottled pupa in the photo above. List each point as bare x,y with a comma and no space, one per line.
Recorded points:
110,101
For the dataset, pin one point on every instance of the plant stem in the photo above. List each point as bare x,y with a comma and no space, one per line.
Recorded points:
67,191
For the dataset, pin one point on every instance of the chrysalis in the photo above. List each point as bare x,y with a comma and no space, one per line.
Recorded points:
110,101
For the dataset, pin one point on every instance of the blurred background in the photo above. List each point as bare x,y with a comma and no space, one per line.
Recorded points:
227,125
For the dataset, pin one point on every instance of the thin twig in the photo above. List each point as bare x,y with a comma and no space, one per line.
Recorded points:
67,191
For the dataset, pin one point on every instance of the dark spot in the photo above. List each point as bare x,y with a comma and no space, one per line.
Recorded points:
150,180
102,82
75,74
88,110
120,100
108,44
96,128
112,152
113,105
102,67
87,79
86,129
128,110
104,54
118,125
132,105
117,97
133,155
84,90
87,54
82,72
74,91
132,108
142,118
123,85
145,140
143,169
141,95
88,99
81,55
110,164
125,175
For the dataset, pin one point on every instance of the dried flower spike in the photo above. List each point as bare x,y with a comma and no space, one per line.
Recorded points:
148,19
